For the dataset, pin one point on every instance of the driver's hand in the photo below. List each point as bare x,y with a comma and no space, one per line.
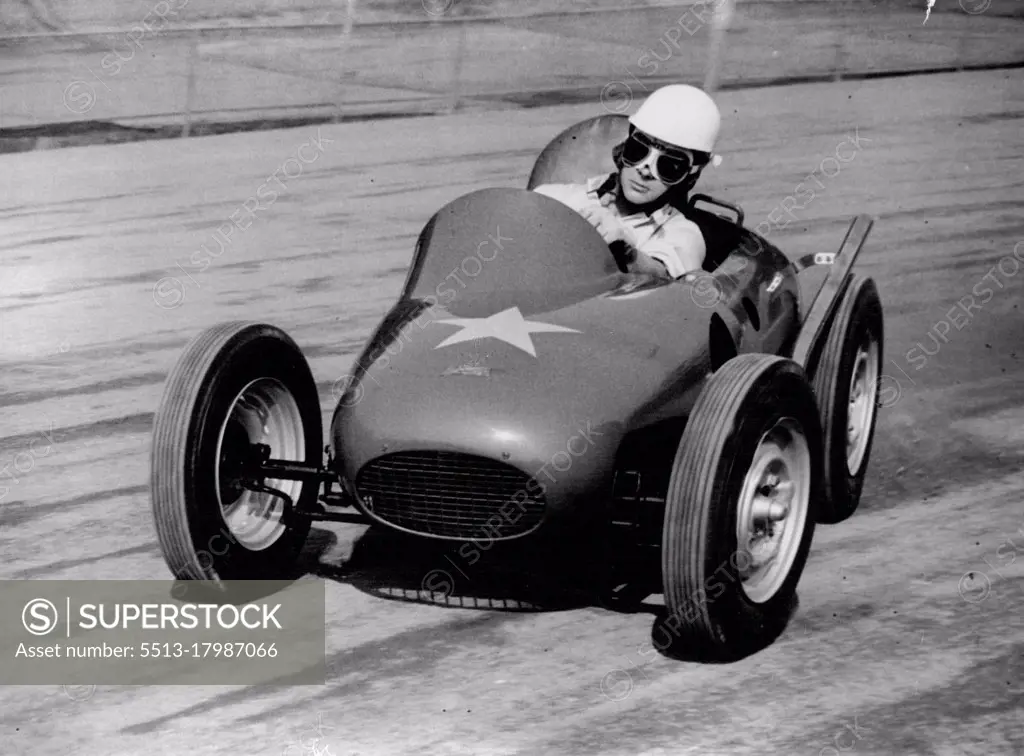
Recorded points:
610,227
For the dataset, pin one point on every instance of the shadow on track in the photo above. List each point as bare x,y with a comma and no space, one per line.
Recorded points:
505,577
470,575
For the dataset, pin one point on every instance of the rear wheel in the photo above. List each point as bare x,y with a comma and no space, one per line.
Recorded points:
236,385
846,384
740,511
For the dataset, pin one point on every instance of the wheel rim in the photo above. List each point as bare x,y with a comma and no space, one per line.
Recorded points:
264,412
863,403
773,506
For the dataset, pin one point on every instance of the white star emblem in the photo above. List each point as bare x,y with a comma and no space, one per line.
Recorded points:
507,325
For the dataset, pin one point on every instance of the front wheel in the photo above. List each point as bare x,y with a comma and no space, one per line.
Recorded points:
235,385
740,511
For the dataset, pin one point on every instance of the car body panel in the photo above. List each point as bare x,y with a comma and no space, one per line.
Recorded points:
551,342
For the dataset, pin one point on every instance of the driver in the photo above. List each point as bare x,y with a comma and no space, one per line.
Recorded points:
638,209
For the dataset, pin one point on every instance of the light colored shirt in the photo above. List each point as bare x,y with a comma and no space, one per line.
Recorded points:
666,234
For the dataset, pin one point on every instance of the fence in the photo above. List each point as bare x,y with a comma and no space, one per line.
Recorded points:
204,80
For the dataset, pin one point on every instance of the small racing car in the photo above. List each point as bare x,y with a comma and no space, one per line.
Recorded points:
523,386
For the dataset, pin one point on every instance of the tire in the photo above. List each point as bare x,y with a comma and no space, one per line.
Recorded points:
193,442
852,355
714,609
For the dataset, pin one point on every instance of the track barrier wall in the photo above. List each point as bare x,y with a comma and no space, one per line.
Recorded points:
158,77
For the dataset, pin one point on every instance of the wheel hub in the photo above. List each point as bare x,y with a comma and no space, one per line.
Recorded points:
772,510
862,404
264,412
773,498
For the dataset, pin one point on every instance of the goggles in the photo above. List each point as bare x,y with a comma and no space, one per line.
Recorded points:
671,166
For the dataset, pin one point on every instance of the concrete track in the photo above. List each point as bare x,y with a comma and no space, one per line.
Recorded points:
895,648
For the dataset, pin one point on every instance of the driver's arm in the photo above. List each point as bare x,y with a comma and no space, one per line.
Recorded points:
641,262
678,246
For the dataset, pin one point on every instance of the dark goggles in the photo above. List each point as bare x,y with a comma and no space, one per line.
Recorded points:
672,164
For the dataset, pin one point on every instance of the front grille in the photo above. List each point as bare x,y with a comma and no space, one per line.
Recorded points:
450,494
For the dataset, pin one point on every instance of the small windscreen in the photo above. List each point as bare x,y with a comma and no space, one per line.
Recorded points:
511,245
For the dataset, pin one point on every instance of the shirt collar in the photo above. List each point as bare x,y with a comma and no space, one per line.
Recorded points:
594,184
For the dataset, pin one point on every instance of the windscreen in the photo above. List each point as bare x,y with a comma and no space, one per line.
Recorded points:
511,246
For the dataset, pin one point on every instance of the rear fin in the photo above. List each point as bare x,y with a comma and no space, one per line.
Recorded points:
820,310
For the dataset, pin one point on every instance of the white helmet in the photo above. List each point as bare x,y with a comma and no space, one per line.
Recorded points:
680,115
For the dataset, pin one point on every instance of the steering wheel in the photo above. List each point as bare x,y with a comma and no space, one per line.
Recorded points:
623,253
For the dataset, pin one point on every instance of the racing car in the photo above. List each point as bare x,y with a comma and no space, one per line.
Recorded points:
525,386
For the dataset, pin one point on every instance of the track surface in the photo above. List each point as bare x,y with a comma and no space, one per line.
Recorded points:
884,642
